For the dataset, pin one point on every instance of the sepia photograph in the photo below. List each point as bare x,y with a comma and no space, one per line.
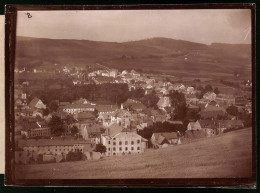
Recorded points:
133,94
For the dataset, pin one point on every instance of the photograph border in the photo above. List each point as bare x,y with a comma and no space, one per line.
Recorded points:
10,43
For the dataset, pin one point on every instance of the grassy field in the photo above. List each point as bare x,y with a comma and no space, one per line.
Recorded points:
226,156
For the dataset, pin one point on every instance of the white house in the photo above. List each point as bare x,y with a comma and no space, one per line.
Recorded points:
125,142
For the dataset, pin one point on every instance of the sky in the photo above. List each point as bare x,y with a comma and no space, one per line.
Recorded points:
203,26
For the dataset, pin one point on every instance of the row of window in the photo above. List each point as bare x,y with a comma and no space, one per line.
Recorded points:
126,142
126,148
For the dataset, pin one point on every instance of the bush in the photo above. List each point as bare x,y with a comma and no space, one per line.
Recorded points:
75,156
100,148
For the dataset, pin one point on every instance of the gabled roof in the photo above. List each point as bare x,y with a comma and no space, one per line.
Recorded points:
96,128
86,115
121,113
167,135
34,102
137,106
127,134
77,106
51,142
113,130
106,108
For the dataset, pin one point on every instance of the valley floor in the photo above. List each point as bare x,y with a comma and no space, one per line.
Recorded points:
225,156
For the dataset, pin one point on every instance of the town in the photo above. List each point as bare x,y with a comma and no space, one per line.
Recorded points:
95,114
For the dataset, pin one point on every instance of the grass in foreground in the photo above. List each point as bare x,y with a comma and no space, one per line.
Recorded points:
226,156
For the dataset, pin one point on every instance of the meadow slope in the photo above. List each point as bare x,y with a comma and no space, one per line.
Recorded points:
226,156
156,54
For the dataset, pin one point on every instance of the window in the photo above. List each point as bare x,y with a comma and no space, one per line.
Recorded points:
126,148
108,142
114,149
126,142
132,148
108,149
132,142
138,141
120,148
114,143
138,148
120,142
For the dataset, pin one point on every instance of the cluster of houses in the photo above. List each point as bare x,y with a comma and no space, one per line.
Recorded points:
116,127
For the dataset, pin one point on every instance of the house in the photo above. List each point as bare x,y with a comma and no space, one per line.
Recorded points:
190,90
90,130
77,108
113,73
211,127
163,139
134,105
155,115
124,72
105,118
55,146
210,96
195,134
39,132
178,87
212,103
124,142
122,117
193,126
164,102
212,112
113,129
37,104
141,126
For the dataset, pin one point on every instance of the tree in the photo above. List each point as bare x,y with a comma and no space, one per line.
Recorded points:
178,101
74,156
200,88
46,112
53,106
208,88
137,93
232,110
100,148
74,130
39,158
150,100
216,91
56,126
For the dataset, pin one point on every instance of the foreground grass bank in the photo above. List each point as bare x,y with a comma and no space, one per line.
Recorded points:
226,156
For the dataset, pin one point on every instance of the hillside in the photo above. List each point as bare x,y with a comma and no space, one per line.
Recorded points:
226,156
175,57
